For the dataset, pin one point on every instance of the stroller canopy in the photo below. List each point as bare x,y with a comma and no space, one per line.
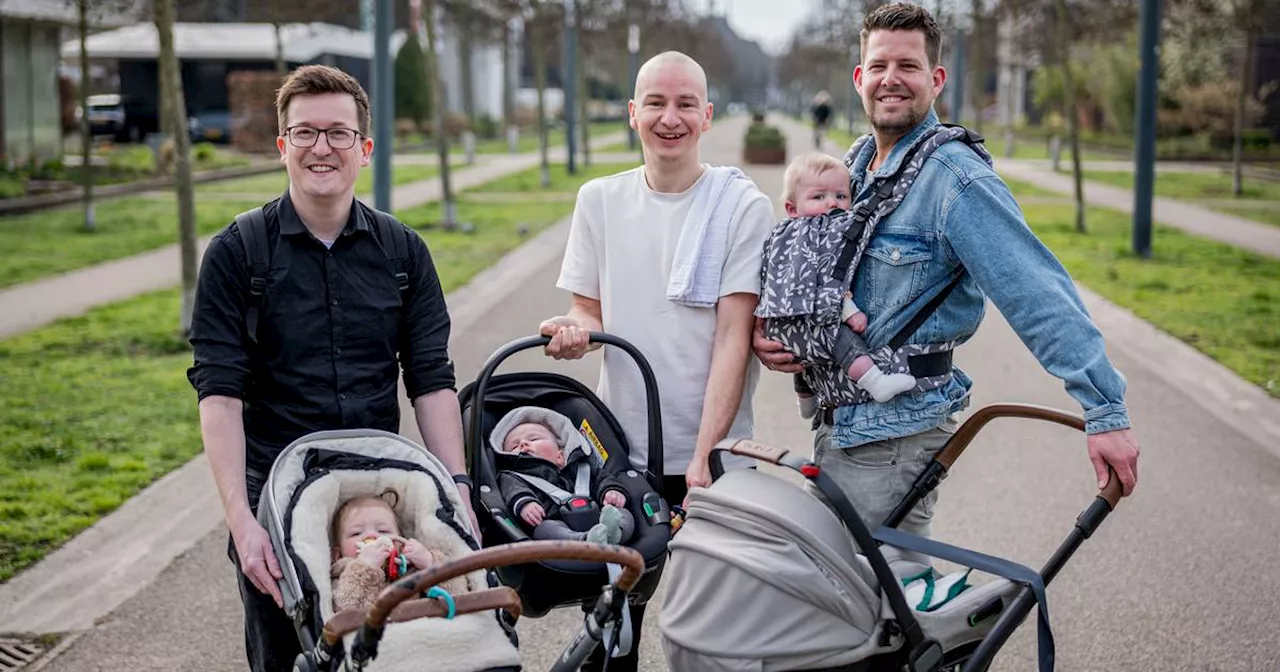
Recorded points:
788,587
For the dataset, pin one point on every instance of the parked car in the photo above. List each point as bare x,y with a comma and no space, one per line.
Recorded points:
210,126
126,118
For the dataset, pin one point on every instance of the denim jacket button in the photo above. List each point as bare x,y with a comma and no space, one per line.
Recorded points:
895,255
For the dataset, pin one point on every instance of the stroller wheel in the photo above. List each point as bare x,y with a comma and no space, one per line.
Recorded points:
304,663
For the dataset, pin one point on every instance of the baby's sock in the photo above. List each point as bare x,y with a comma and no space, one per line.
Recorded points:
885,386
611,519
598,534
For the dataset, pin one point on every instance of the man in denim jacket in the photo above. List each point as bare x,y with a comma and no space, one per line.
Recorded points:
958,217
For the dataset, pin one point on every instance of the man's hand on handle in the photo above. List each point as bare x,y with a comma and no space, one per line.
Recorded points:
569,339
257,558
772,354
1119,449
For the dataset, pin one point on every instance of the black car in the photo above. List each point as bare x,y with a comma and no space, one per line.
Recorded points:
126,118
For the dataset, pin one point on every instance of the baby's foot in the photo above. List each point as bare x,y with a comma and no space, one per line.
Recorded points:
885,386
611,519
598,534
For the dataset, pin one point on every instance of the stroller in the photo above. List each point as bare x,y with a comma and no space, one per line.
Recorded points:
412,620
837,604
548,584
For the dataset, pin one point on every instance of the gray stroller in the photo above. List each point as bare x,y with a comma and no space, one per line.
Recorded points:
808,590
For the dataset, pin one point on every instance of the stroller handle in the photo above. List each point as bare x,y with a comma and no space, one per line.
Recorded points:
502,597
646,373
507,554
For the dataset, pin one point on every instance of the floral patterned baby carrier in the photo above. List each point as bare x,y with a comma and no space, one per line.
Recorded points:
810,262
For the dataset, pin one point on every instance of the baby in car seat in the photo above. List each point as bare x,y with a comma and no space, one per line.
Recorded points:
551,480
369,553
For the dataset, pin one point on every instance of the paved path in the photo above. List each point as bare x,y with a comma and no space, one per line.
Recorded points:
1176,579
39,302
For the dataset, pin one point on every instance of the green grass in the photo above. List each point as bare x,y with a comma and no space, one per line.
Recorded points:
1220,299
275,182
1193,186
43,243
1268,215
531,180
1020,189
95,408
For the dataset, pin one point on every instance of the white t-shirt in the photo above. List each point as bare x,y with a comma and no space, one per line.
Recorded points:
621,246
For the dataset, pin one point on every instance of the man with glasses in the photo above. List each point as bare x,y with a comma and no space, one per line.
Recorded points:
305,310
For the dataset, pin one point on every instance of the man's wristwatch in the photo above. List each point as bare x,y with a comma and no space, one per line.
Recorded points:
463,479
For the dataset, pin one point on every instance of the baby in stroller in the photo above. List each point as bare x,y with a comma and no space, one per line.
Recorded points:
369,552
544,465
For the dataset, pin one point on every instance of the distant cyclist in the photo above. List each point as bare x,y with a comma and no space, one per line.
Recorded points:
821,116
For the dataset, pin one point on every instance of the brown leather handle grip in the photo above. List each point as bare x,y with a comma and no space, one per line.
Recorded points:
502,597
507,554
964,435
760,451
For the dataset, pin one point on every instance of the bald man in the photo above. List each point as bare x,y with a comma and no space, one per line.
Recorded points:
623,241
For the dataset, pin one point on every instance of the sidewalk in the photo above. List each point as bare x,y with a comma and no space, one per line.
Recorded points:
40,302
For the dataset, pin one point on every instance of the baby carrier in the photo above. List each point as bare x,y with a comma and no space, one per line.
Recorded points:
309,480
829,248
545,585
764,577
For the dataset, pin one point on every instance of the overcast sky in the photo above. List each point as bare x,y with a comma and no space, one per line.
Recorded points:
769,22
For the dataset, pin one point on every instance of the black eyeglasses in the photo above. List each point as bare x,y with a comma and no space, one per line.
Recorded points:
305,137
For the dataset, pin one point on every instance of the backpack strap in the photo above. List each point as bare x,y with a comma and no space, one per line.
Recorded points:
390,234
853,236
252,225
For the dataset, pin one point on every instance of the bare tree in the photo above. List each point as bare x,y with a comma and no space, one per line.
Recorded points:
435,84
174,124
86,129
1069,108
1248,19
535,28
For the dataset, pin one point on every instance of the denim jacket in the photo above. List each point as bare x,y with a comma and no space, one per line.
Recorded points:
960,217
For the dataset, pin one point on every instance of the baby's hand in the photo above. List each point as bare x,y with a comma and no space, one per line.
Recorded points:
375,552
416,553
615,498
532,513
857,322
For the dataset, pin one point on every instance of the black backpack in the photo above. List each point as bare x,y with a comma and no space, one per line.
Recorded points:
257,250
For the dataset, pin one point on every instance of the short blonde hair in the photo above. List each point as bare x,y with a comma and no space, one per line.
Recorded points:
812,164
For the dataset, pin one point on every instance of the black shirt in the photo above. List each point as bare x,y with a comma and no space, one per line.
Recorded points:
331,326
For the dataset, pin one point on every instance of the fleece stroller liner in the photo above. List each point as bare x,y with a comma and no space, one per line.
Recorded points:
311,478
800,595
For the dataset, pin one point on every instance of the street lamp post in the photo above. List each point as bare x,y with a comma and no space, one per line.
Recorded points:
633,49
568,79
383,105
1145,125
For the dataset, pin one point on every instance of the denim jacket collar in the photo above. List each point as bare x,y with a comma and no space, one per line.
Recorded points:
868,151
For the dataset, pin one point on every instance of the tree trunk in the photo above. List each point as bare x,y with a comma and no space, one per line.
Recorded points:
465,42
1242,98
435,84
176,127
583,96
976,74
508,79
280,66
540,81
1069,102
86,131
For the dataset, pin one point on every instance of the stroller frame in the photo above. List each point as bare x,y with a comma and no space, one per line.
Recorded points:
923,654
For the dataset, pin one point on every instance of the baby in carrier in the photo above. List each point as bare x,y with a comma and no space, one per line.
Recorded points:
368,552
814,185
553,482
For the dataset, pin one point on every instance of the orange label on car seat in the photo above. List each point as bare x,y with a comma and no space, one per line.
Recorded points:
585,429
